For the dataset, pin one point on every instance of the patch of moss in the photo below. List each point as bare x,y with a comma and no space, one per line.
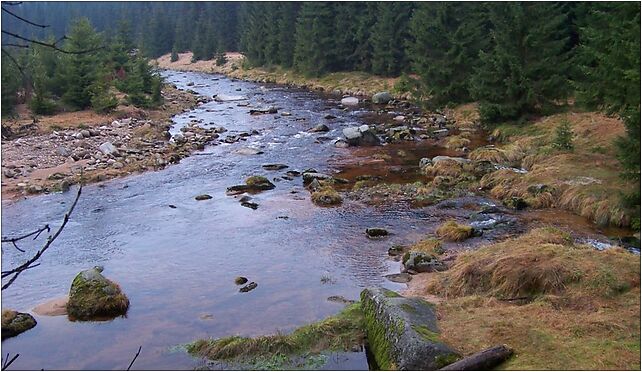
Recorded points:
377,339
326,196
389,293
443,360
90,299
336,333
426,333
408,308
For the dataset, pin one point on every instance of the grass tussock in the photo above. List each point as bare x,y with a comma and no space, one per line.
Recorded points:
456,142
337,333
542,262
431,246
584,181
447,168
583,311
326,197
453,231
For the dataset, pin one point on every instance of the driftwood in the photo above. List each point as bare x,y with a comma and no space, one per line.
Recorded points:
481,361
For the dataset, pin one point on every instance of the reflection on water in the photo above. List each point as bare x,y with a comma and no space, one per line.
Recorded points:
178,265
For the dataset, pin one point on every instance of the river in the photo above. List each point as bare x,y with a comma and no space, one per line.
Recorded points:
177,265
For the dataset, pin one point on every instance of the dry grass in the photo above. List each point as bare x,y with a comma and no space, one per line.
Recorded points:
585,181
455,142
584,311
453,231
448,168
431,246
465,116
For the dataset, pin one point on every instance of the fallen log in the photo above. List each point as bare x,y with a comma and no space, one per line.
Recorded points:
482,361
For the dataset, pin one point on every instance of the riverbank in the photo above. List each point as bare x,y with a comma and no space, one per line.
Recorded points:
49,153
350,83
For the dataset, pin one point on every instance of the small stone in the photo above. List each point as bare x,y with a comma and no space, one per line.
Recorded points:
274,167
240,280
14,323
203,197
248,287
319,128
376,232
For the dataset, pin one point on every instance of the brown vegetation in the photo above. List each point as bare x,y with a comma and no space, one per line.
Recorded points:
454,232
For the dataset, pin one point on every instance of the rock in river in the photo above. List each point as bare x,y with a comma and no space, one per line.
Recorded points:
361,136
240,280
319,128
14,323
421,263
274,167
94,296
381,97
248,287
376,232
402,332
203,197
350,101
259,183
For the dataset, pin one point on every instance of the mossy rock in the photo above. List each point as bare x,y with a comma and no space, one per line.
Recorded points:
259,183
402,332
14,323
94,297
326,197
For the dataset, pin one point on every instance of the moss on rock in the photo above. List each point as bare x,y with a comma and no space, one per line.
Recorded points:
259,183
326,197
14,323
92,296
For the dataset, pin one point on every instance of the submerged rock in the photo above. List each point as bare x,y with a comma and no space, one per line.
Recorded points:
203,197
319,128
402,332
14,323
274,167
94,296
311,176
399,278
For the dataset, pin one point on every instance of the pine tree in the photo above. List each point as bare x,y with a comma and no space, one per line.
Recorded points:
41,102
361,58
446,40
388,38
527,67
11,83
253,34
286,38
314,48
80,70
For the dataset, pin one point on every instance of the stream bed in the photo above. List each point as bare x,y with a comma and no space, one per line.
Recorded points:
178,265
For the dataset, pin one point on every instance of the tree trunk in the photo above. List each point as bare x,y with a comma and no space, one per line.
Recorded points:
481,361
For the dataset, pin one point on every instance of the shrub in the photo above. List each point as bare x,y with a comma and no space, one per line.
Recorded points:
563,136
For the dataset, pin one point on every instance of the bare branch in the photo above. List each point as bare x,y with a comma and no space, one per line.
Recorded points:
16,45
18,238
135,356
22,72
7,362
24,20
52,46
31,263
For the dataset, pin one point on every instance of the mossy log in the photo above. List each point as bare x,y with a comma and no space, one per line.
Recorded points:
482,361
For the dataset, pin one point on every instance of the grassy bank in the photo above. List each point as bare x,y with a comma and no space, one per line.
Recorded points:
558,304
585,180
354,82
341,332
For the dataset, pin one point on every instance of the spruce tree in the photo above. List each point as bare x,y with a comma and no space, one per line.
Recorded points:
526,70
80,70
286,26
314,50
446,40
388,38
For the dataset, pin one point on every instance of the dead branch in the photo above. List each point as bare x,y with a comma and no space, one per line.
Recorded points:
52,45
482,361
31,263
18,238
135,356
23,19
6,362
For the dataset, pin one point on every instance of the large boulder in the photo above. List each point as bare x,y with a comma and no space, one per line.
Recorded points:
421,263
361,136
402,332
93,296
14,323
382,97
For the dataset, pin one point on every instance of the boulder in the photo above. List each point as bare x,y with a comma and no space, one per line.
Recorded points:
361,136
108,148
93,296
421,263
399,278
376,232
382,98
311,176
402,332
319,128
14,323
350,101
259,183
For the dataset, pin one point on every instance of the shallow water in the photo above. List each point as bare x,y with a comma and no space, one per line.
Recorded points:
178,265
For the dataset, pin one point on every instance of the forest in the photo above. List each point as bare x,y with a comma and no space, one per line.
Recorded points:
518,60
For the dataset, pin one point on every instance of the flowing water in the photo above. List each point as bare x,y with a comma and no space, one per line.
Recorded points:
177,265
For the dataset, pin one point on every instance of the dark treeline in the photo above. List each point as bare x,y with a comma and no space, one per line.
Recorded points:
517,59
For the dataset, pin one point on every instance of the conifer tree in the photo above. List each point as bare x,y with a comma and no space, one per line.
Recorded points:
285,29
314,50
389,36
446,40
